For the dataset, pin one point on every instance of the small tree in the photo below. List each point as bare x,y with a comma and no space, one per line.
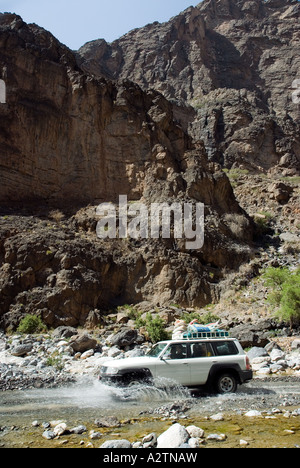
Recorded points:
155,328
285,293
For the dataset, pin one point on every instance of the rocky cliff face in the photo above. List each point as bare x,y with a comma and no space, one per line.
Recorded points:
67,137
233,62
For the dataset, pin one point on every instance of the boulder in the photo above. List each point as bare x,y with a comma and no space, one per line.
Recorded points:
277,355
250,334
195,432
296,344
82,343
174,437
280,192
126,337
64,332
257,352
21,350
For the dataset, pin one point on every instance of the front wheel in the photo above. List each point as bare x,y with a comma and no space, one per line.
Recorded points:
226,383
135,379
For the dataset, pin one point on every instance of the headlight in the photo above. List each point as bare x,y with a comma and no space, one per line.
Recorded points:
110,370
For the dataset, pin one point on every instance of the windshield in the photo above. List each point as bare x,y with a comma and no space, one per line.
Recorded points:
156,350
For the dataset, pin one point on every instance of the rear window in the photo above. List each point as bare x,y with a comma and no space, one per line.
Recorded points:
225,348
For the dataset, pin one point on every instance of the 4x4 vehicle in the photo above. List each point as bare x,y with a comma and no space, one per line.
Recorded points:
220,364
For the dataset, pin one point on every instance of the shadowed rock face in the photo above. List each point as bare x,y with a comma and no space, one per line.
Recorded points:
67,137
234,62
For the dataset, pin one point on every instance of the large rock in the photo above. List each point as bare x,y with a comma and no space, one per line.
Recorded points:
125,337
257,352
83,343
21,350
253,335
174,437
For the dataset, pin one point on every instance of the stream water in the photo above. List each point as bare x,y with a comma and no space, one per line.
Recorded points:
87,401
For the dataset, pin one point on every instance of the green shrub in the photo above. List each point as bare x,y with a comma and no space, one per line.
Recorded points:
155,327
55,360
204,319
31,324
285,293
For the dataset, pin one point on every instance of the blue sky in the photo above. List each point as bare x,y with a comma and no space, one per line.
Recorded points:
75,22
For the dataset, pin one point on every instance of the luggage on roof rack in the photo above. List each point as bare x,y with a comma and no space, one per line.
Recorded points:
195,330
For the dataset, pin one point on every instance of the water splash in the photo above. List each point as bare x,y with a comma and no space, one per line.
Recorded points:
163,390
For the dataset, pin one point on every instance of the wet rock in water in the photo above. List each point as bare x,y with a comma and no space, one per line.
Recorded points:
108,422
216,437
95,435
60,429
243,443
217,417
49,435
78,429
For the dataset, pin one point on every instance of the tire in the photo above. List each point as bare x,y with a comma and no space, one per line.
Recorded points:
135,379
133,383
226,383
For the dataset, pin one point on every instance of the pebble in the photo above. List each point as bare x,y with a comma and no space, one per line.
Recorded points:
243,443
217,417
78,429
48,435
60,429
253,414
217,437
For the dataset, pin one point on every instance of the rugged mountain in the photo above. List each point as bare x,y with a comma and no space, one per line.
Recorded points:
69,138
228,66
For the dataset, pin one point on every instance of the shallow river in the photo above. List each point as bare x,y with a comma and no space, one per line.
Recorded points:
141,412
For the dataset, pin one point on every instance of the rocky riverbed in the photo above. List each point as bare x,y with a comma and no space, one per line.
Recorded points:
50,397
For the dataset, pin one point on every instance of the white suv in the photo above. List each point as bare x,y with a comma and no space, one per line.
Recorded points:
220,364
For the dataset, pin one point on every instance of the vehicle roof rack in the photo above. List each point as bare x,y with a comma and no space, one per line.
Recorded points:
204,335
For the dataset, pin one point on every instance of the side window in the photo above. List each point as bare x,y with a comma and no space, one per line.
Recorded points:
225,348
176,351
199,350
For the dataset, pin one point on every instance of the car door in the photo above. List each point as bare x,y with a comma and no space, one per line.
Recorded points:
175,364
200,362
